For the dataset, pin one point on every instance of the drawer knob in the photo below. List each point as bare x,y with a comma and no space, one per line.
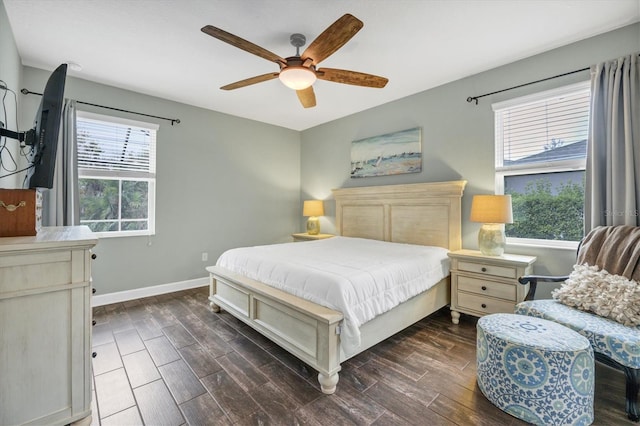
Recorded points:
483,269
94,256
484,306
94,354
484,288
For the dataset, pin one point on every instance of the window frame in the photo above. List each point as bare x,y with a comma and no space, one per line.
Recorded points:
120,176
501,171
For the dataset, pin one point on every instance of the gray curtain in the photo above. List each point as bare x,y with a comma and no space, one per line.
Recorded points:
60,205
612,192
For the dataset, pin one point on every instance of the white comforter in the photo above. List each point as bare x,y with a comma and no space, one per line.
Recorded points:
360,278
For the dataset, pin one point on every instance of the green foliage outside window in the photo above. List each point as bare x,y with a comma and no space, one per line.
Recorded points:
100,207
135,205
544,213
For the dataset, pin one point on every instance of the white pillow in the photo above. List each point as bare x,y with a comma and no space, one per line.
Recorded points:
604,294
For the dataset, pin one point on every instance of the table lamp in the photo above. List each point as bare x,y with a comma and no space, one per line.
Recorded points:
493,211
313,209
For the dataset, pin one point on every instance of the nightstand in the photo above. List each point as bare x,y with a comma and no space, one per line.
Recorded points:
306,237
482,285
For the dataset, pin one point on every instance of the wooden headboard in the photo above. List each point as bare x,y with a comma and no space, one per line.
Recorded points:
418,213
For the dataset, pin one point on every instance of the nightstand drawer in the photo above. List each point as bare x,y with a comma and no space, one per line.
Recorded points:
484,304
483,268
487,288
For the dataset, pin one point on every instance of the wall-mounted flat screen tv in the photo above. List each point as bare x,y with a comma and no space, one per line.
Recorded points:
46,130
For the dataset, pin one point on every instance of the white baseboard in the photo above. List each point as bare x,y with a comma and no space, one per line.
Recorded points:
138,293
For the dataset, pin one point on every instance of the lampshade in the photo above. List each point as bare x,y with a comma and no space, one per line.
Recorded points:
491,209
313,208
297,77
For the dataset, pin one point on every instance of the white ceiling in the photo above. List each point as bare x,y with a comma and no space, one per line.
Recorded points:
156,46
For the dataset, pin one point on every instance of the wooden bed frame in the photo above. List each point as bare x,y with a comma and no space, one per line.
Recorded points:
422,213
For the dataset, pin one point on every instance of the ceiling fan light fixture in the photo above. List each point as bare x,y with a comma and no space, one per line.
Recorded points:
297,77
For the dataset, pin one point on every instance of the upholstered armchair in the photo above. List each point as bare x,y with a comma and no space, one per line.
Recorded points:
600,299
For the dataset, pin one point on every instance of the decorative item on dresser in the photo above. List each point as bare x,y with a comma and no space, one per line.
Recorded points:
493,211
20,212
313,209
424,214
308,237
45,326
482,284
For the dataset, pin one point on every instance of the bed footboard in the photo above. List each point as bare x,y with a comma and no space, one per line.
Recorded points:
305,329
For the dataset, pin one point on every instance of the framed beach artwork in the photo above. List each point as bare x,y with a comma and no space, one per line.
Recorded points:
390,154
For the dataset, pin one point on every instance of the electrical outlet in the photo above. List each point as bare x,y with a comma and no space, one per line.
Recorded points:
205,256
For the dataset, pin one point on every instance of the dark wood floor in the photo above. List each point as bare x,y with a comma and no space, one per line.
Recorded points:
168,360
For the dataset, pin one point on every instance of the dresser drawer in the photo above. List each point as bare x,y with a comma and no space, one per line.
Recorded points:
29,271
484,304
486,288
481,268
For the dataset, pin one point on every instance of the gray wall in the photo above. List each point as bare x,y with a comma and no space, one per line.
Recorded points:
222,182
10,73
458,137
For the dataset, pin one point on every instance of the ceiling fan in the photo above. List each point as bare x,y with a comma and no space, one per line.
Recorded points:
299,72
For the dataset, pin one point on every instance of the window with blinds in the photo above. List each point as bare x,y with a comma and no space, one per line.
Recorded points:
116,170
541,148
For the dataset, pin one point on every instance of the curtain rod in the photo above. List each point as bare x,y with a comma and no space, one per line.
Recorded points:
475,98
172,120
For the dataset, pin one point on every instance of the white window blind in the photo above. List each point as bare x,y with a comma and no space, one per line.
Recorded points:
545,128
123,146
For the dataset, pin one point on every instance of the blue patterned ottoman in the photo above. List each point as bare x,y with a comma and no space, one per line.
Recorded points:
536,370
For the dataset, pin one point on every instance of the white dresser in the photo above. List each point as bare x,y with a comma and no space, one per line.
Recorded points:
45,326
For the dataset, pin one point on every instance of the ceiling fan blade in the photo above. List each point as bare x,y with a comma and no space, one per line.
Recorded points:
332,39
351,77
307,97
250,81
241,43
